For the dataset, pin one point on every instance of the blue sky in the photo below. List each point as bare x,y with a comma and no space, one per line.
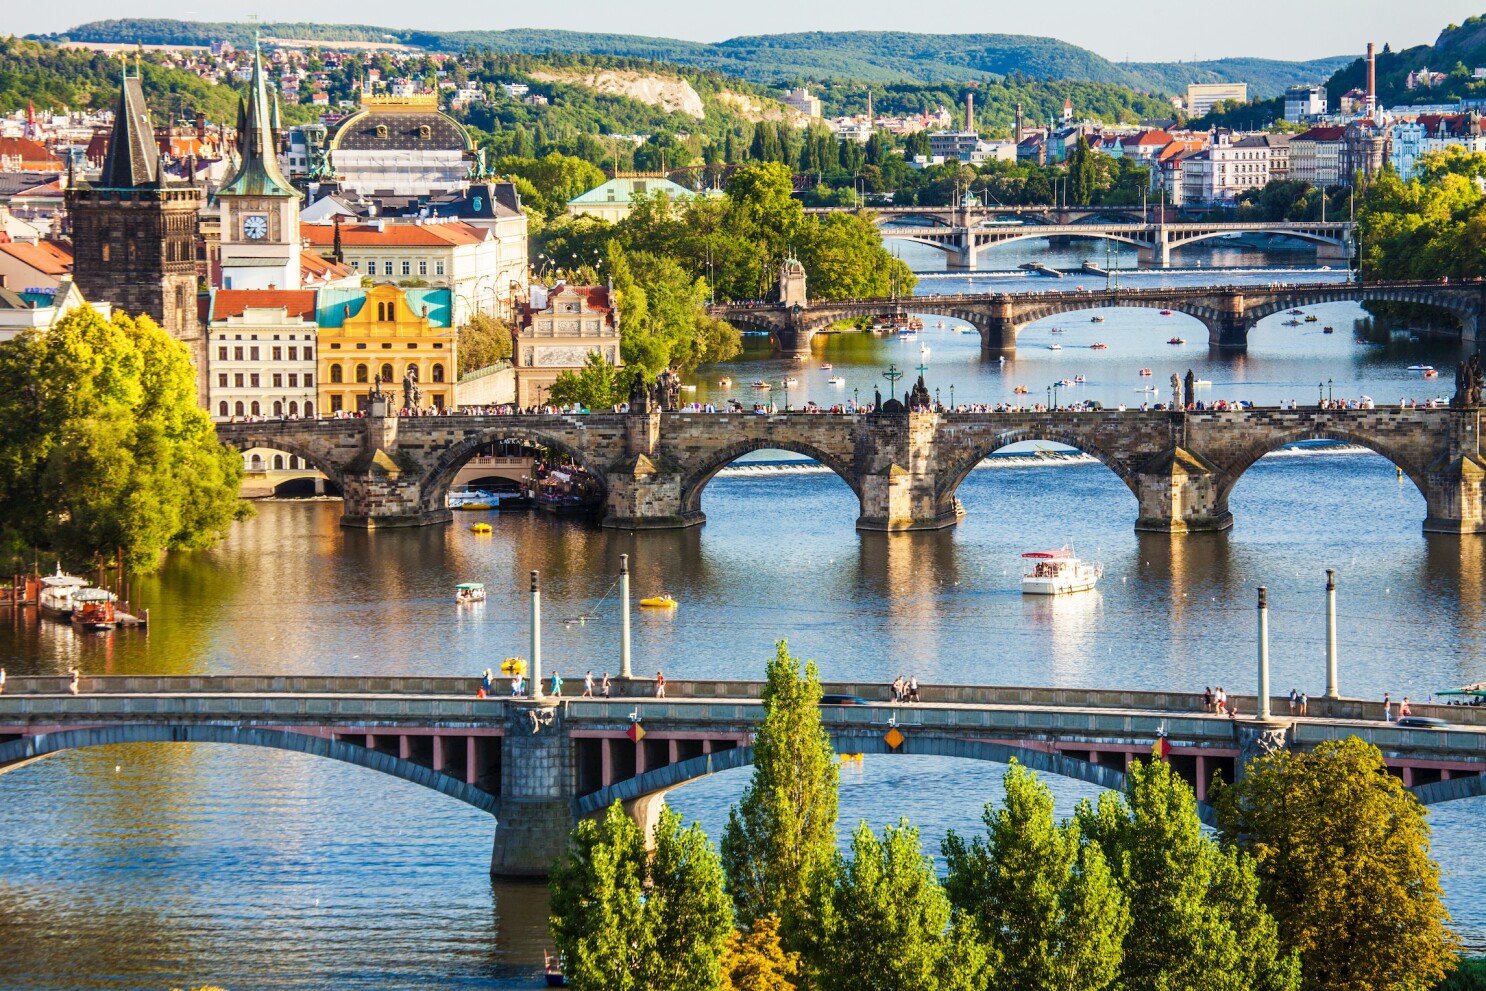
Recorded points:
1154,30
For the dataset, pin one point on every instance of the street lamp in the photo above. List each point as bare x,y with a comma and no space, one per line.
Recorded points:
951,395
786,394
1328,390
1049,398
856,396
937,405
1320,393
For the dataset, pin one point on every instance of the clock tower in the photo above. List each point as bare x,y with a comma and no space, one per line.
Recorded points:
259,209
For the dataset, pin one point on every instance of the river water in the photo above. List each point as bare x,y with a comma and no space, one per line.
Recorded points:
160,866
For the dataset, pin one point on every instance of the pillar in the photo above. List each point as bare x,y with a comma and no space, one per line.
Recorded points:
1453,483
998,328
646,810
1258,738
382,486
1230,332
644,487
900,486
537,781
1179,492
964,255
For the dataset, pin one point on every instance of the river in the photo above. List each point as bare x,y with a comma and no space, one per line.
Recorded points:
160,866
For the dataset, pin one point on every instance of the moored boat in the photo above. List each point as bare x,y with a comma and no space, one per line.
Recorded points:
93,609
1177,340
836,380
1058,572
826,365
1099,346
761,384
57,592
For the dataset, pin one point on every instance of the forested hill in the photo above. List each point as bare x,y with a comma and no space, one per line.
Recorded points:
1458,50
878,56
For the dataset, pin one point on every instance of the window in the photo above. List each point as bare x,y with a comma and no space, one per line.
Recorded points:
237,380
438,267
335,374
253,380
386,268
423,268
278,380
386,345
362,375
355,264
294,409
309,354
278,410
278,459
253,354
335,405
255,408
238,409
361,346
293,380
407,268
277,353
438,372
222,380
237,354
387,372
412,346
221,354
294,354
222,408
309,407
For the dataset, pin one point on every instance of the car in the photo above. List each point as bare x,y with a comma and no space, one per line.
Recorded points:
844,700
1421,722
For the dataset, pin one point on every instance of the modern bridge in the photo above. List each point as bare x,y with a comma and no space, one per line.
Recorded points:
539,765
1228,312
962,216
905,468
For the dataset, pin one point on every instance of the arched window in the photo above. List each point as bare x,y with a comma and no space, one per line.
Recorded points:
278,407
278,462
361,374
103,252
257,462
309,409
222,408
238,409
293,409
386,372
255,409
335,374
438,372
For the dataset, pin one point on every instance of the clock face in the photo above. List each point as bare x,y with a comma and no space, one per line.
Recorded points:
256,227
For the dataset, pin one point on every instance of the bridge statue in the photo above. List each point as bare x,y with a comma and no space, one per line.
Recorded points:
1468,384
1176,391
1189,391
668,389
918,396
411,395
639,394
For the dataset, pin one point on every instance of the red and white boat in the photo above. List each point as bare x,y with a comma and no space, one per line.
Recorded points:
1057,572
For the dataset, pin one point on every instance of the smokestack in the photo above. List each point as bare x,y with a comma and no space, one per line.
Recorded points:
1372,82
970,112
1018,123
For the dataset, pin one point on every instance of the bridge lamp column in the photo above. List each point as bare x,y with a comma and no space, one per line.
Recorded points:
1332,691
1263,714
1329,397
536,635
624,661
1320,394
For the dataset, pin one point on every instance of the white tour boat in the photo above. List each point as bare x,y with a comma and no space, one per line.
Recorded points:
56,596
1056,572
836,380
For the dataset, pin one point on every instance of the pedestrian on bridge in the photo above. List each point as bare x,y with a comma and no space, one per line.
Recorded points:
913,688
1207,699
2,681
76,676
1294,701
588,685
1387,708
1304,702
556,683
606,684
485,682
660,685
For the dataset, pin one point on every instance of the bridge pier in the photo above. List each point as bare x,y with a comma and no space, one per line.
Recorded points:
536,802
1453,495
964,256
900,491
1179,492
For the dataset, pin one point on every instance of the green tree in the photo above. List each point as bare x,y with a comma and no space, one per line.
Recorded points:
103,446
1044,901
1081,174
1344,866
482,342
756,960
783,829
1196,922
881,921
597,385
627,920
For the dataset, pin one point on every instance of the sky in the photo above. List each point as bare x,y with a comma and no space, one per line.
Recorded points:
1154,30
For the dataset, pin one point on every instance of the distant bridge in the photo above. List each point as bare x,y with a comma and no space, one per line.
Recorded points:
1228,312
538,765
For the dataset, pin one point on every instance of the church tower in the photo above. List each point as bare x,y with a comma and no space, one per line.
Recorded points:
134,230
260,209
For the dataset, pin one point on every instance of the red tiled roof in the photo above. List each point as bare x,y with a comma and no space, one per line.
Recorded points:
232,302
316,266
30,154
49,260
394,235
1321,134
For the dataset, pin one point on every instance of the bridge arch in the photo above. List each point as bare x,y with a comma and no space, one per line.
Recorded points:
242,439
672,776
1311,237
1470,786
698,475
1235,469
949,481
434,491
44,744
991,237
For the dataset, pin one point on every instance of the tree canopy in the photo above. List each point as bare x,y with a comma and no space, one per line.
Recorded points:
1431,226
103,448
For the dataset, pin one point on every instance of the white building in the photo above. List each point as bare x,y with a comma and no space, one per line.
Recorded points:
1431,133
613,200
803,101
23,310
1225,169
1202,97
1305,103
261,353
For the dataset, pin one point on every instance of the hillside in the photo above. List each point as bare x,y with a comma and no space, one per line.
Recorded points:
873,56
1458,50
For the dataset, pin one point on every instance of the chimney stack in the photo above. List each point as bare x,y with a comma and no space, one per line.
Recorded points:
1018,123
1372,82
970,112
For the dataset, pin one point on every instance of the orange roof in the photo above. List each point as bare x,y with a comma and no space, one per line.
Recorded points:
232,302
395,235
314,267
49,260
30,154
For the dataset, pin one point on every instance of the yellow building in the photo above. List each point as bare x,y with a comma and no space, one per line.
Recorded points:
385,331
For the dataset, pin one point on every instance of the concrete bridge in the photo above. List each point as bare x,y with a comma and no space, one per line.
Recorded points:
959,216
540,765
905,468
1228,312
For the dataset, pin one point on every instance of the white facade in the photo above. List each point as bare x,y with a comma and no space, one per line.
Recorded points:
1305,103
1202,97
261,363
1412,138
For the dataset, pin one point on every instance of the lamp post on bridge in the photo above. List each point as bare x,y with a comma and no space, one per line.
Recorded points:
951,395
1262,712
1329,397
1320,394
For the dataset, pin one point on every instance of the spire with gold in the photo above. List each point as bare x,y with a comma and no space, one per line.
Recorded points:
258,172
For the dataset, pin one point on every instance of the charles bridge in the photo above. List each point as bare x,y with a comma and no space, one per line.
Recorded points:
538,765
1228,312
905,468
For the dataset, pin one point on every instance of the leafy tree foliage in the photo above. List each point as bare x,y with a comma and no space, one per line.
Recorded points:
1293,199
554,179
597,385
1196,922
482,342
1045,902
628,920
1431,226
783,829
756,960
1342,851
103,447
663,322
881,921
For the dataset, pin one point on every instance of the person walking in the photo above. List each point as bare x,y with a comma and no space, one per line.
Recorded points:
1387,708
556,683
518,685
2,681
1207,699
588,685
660,685
76,677
913,688
606,684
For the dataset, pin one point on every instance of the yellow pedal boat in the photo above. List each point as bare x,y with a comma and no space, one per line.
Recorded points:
658,602
480,528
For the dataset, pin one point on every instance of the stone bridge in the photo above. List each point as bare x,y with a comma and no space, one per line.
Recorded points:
538,765
905,468
1228,312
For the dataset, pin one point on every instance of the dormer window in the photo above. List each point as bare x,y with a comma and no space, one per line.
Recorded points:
381,130
425,132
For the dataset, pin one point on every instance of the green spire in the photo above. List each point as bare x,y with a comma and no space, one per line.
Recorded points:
258,174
